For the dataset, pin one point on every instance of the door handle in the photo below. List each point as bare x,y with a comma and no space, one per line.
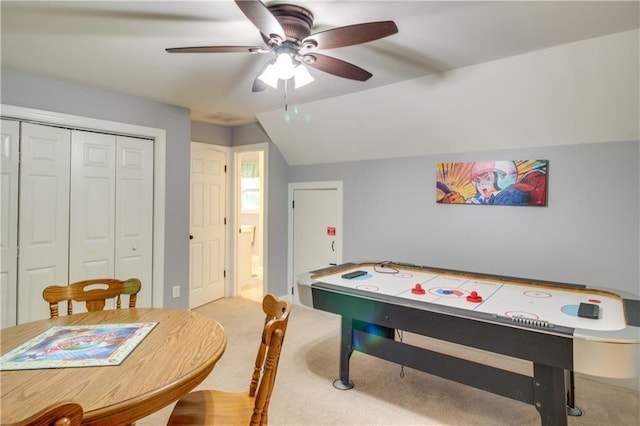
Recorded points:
333,245
191,237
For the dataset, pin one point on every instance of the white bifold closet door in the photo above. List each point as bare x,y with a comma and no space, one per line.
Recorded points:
93,195
134,214
111,207
9,152
43,224
86,203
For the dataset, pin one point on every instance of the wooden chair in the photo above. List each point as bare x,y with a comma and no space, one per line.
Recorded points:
60,414
214,407
93,292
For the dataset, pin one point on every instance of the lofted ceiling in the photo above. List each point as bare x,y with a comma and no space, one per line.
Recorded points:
120,46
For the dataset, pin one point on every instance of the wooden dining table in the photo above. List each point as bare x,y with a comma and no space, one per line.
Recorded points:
176,356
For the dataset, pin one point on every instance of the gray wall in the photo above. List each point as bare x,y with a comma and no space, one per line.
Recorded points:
277,218
588,234
248,134
28,91
210,133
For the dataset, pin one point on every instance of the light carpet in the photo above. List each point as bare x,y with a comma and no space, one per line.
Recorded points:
384,393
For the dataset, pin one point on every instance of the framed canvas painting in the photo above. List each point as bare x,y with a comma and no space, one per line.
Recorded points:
513,182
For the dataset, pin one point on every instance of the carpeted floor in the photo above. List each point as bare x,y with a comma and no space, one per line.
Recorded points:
385,394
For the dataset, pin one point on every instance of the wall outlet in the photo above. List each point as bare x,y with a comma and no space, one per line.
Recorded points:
176,291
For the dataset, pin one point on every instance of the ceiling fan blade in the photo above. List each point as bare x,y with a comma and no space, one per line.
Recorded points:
262,18
336,66
351,34
258,85
218,49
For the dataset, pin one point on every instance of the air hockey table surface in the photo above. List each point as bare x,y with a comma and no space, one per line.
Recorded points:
604,346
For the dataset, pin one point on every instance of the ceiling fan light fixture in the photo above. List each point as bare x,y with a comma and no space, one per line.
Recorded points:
270,76
283,68
301,76
284,65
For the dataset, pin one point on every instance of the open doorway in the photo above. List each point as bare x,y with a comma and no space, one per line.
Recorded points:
250,181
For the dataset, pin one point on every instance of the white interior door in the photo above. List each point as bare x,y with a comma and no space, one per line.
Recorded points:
207,224
44,206
316,228
9,153
93,196
134,214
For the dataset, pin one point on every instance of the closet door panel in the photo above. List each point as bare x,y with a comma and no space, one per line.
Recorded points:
134,213
9,143
43,217
91,250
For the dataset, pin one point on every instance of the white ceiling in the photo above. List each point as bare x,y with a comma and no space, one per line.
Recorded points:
119,46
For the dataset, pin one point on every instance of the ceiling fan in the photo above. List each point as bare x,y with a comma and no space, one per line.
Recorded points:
286,30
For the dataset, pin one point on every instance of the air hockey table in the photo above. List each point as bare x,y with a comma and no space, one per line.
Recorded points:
531,320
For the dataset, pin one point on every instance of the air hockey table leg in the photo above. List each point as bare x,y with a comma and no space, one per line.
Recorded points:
572,410
549,394
346,349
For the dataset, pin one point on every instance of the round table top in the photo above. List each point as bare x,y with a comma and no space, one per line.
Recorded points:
176,356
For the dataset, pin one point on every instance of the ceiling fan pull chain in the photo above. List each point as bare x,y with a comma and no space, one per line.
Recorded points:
285,95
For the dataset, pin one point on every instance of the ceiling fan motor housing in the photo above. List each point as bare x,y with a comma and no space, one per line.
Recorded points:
296,21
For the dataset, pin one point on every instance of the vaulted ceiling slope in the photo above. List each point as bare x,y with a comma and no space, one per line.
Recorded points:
577,93
120,46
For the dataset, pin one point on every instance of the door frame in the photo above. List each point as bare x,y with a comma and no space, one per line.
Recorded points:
159,152
293,186
232,284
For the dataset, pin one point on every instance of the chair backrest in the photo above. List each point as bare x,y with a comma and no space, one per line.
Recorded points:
64,413
264,373
93,292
